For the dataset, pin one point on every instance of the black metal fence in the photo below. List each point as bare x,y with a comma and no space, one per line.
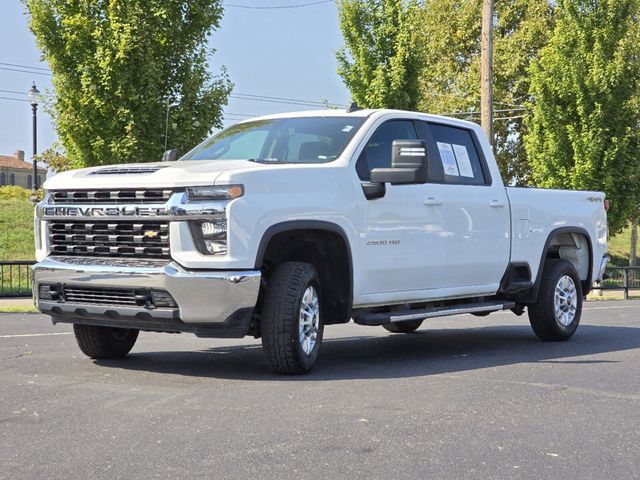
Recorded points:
15,278
621,278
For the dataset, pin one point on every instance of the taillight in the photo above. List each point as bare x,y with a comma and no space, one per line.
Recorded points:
606,205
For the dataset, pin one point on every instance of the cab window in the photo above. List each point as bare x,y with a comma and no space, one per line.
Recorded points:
377,151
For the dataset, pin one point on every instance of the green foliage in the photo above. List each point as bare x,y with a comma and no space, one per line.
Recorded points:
450,82
438,44
584,130
380,63
54,160
16,228
11,192
116,67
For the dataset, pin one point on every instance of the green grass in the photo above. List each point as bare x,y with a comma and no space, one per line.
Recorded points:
619,247
16,230
18,309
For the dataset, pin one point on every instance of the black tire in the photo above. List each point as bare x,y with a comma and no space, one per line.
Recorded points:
281,318
408,326
542,314
105,342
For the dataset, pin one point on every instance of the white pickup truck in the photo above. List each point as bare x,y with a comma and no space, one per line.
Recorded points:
280,225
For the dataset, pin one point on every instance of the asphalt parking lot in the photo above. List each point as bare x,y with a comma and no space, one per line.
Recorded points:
465,397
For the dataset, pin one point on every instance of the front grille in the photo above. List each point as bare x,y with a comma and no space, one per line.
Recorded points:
100,296
115,196
137,297
109,239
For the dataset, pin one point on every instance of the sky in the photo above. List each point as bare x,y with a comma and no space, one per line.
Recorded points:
272,52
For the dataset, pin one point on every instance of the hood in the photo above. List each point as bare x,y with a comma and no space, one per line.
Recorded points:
158,174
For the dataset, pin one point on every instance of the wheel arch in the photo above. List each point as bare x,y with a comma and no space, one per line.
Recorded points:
296,232
557,238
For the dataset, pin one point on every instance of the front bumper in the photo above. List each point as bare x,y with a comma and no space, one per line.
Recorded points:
208,303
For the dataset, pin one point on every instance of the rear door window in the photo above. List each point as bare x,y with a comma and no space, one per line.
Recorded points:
453,155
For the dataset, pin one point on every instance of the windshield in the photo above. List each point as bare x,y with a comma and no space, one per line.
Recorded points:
282,140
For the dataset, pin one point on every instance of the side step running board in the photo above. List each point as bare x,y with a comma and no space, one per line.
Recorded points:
383,318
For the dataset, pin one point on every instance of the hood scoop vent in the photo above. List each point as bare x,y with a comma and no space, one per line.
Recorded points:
133,170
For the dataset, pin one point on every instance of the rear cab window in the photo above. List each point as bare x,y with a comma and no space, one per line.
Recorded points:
453,155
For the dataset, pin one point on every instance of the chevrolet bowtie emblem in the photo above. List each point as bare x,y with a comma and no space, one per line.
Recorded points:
150,234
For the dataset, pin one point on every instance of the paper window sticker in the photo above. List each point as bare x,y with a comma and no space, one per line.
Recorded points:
464,162
448,159
348,128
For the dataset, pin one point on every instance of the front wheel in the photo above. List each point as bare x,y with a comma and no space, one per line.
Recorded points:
556,314
105,342
291,324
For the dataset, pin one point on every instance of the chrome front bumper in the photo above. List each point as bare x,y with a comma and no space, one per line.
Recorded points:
209,303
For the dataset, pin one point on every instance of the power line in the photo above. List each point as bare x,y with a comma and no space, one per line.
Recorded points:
24,66
509,118
239,96
24,71
280,98
277,7
16,99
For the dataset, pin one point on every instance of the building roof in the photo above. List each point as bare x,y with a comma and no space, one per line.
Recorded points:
12,162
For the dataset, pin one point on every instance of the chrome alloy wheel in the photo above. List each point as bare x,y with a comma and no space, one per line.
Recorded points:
565,300
309,321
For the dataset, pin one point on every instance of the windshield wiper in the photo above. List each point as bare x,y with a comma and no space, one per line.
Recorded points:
266,160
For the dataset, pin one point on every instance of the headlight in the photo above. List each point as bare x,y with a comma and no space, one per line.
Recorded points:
224,192
210,237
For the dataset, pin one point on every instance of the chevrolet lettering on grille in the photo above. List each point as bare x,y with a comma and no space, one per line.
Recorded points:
106,212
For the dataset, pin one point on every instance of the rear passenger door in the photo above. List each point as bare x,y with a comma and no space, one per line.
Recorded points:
475,209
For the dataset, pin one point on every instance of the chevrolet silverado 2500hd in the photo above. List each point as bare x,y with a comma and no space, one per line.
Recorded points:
280,225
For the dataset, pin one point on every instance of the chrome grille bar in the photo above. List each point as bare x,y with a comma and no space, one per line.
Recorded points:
126,238
129,196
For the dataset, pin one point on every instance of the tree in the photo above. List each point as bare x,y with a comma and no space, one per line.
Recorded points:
583,133
380,63
450,81
118,65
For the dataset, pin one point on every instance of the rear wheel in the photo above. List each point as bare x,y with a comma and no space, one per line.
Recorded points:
556,314
408,326
105,342
291,324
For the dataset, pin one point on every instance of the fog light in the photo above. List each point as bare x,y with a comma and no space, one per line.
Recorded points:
210,236
48,292
163,299
211,230
216,247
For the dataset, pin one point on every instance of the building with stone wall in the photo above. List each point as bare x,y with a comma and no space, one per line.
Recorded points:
15,171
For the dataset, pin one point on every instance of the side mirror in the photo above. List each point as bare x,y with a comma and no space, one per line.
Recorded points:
409,164
170,155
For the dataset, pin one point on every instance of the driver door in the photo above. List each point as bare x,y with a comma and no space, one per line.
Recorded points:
402,238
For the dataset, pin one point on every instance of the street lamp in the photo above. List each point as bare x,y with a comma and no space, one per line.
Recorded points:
34,96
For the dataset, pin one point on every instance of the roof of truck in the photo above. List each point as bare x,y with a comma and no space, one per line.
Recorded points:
356,113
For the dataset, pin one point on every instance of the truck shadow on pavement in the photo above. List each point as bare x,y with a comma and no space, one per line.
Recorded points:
426,352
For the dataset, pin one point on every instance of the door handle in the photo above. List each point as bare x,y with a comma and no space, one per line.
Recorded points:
496,204
432,201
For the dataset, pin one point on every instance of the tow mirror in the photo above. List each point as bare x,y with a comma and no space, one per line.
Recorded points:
409,164
170,155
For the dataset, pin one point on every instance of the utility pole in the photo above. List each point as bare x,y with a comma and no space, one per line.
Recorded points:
486,76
